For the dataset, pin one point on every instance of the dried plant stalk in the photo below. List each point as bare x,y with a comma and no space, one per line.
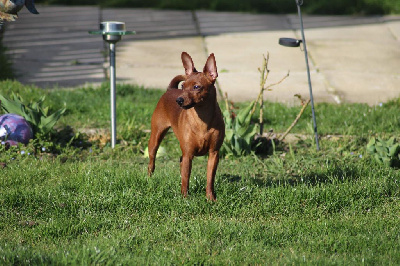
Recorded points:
264,71
305,104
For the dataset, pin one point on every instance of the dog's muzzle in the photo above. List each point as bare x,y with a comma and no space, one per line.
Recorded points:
180,101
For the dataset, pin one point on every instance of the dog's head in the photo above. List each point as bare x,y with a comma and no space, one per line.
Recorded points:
198,86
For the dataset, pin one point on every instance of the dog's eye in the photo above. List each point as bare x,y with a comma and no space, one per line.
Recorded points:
182,85
196,87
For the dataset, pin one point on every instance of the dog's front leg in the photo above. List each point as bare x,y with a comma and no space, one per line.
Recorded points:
213,159
186,168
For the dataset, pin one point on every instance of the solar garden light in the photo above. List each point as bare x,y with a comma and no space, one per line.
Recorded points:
290,42
112,32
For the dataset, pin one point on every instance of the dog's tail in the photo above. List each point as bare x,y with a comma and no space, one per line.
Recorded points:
175,82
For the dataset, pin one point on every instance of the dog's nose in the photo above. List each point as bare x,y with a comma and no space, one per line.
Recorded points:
180,101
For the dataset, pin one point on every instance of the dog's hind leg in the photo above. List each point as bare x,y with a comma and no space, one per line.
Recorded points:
158,132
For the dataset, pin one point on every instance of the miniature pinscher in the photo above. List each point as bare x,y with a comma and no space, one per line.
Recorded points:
195,117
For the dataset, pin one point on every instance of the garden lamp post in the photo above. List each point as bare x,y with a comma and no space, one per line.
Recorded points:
112,32
290,42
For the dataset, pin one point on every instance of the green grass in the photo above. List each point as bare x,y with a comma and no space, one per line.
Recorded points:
97,206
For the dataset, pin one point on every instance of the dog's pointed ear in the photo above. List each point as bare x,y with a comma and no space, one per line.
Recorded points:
187,63
210,69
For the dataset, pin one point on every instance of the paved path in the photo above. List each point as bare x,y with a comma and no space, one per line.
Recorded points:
353,59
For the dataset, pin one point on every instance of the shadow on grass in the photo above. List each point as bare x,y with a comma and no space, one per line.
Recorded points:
334,175
231,178
337,174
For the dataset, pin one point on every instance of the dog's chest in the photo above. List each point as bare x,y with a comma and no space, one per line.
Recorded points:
197,132
203,141
200,135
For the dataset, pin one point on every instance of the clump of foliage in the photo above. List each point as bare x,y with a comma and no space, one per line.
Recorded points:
46,138
239,132
243,137
385,151
34,112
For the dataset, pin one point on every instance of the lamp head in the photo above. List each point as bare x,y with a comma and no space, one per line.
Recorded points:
289,42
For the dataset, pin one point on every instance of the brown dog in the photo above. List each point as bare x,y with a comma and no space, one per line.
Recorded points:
195,117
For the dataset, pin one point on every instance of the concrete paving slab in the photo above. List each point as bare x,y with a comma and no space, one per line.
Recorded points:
393,24
152,23
154,63
214,23
353,58
362,87
336,21
238,67
357,61
54,48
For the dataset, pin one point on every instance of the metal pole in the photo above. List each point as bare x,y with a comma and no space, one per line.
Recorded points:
112,32
112,91
299,3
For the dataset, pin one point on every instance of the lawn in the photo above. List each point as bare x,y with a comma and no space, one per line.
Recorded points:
80,202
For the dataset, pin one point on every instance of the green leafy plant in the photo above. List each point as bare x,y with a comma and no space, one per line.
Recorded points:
35,113
385,151
239,132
